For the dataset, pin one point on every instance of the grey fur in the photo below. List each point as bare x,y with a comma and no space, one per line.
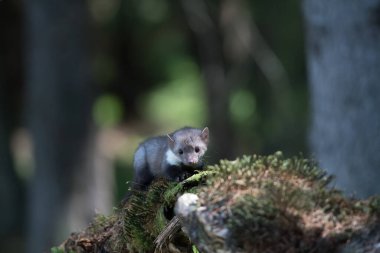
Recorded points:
153,157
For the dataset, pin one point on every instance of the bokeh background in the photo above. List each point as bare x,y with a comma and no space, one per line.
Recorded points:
83,82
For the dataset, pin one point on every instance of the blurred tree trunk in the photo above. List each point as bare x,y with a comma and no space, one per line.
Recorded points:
228,40
58,109
12,204
343,47
11,187
208,38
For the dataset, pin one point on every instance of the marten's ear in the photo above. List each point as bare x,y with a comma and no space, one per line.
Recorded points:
204,134
170,141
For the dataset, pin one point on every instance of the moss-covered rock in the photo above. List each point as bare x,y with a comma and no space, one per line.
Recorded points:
273,204
252,204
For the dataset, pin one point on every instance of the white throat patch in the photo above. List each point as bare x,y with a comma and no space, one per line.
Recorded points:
171,158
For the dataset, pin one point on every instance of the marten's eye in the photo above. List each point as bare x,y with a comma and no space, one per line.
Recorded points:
180,151
196,149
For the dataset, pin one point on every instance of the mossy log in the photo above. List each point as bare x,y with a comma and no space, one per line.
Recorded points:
253,204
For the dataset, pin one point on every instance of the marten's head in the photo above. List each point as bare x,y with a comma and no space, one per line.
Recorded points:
189,145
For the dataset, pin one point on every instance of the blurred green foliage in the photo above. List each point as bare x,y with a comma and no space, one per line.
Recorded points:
242,107
158,66
107,111
148,76
178,102
148,68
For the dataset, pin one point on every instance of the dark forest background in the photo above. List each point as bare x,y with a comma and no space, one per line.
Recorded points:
83,82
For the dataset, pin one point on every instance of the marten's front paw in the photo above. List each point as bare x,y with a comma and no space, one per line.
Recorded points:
182,177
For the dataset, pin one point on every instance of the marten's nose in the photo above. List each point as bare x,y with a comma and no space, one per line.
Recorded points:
192,161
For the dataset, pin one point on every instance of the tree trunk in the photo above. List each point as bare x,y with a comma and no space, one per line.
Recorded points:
208,39
10,186
58,110
343,48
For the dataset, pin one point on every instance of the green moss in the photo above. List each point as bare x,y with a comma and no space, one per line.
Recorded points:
194,249
57,250
174,189
374,205
267,203
139,215
144,215
171,193
274,203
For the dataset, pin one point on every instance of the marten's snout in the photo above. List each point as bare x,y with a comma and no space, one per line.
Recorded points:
192,160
